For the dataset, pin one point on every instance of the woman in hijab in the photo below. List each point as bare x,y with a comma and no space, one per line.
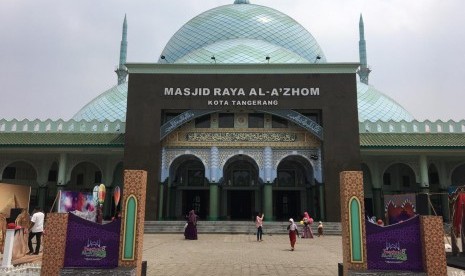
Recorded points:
190,233
293,233
307,221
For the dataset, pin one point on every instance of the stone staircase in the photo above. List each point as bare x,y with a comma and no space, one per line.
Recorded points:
234,227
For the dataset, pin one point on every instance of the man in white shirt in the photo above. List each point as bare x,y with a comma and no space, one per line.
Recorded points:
35,229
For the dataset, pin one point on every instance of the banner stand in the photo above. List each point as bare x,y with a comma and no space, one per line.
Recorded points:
354,235
130,239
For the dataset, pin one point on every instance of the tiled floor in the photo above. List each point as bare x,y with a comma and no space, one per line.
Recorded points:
218,254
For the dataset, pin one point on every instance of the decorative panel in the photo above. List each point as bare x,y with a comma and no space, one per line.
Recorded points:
133,217
54,244
432,239
351,190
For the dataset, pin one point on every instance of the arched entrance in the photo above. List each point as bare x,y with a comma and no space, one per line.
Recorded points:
241,188
458,176
399,178
188,188
294,190
84,177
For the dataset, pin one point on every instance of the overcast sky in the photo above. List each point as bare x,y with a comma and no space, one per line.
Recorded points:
56,56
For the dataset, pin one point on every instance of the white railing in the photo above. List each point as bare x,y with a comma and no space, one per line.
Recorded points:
412,127
22,270
61,126
72,126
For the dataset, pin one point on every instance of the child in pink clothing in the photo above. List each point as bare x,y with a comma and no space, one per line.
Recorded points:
259,225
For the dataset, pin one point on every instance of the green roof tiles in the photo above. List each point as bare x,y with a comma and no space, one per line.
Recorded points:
412,140
61,140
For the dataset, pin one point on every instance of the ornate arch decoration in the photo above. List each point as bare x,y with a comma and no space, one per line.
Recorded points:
290,154
298,119
315,164
232,158
186,154
288,114
181,119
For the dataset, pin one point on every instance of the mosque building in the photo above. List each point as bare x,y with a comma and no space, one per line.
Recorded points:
227,163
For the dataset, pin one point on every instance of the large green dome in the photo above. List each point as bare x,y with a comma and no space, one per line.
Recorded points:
243,33
237,23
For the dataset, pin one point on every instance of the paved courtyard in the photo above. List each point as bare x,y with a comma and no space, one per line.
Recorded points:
241,255
218,254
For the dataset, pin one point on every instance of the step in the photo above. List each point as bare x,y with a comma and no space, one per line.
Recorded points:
233,227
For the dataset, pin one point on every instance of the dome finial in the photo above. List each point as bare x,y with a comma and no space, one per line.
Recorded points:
241,2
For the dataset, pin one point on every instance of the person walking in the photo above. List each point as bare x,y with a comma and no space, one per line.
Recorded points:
35,230
293,233
190,233
320,229
259,225
307,232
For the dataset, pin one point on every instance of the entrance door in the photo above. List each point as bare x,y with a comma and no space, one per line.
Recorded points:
287,205
241,204
197,200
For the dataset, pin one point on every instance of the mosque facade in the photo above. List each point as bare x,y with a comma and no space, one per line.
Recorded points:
200,121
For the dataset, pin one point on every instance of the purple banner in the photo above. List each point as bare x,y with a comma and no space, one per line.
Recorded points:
89,244
395,247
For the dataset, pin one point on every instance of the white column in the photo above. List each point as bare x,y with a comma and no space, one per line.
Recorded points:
8,248
62,169
424,181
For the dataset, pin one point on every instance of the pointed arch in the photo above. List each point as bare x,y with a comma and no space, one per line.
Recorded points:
241,170
296,167
355,230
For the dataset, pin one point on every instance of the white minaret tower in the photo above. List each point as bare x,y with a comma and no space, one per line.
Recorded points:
363,71
122,71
